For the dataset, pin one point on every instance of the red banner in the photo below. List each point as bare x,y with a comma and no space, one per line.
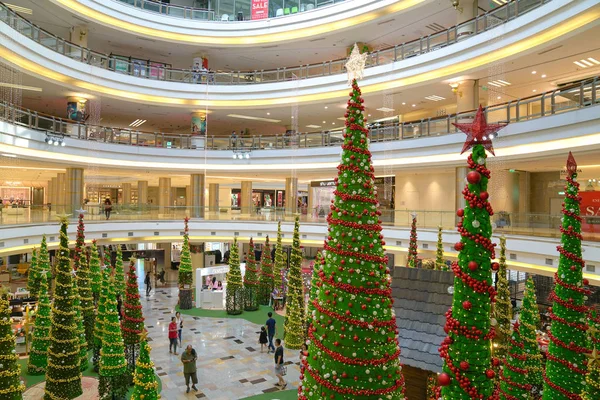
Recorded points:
590,211
260,9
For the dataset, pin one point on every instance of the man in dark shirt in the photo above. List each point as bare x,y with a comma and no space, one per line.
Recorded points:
271,331
279,368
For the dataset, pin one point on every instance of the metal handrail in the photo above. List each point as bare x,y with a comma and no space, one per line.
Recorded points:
155,71
568,98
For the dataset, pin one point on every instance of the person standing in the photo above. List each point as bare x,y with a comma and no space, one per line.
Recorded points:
279,368
107,207
271,325
188,358
173,336
179,322
148,283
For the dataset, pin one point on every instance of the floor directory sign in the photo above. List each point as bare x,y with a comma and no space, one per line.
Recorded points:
260,9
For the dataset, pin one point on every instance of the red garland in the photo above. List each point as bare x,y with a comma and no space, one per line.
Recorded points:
354,169
357,197
360,256
346,287
356,149
366,227
570,232
570,306
375,323
566,364
361,392
477,286
571,256
569,286
568,395
571,347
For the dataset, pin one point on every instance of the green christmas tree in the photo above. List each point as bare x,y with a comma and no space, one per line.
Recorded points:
315,284
266,280
119,273
592,387
353,351
78,257
440,263
84,283
566,360
412,244
185,272
43,263
502,310
279,265
144,378
38,355
83,350
33,278
132,323
113,367
100,317
468,372
63,377
95,273
251,280
11,387
530,323
294,323
234,301
513,378
106,257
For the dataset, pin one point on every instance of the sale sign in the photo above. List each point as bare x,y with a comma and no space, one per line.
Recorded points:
260,9
590,211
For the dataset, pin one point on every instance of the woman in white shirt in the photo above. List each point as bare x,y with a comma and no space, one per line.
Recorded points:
179,322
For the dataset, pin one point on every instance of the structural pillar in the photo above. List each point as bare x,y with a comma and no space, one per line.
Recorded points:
79,35
49,191
197,182
61,193
142,192
291,195
126,189
467,96
54,193
164,193
213,197
246,204
74,190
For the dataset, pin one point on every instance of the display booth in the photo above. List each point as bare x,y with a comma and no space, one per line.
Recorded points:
207,297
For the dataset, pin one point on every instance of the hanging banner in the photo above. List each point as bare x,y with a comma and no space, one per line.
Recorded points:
260,9
590,211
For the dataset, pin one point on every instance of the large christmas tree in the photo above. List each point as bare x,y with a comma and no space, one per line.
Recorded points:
144,378
353,350
234,301
100,317
185,271
63,378
119,273
294,332
466,351
513,378
502,310
84,283
38,355
592,388
83,350
279,264
251,280
266,280
113,367
95,273
132,323
566,361
530,323
412,243
33,277
11,387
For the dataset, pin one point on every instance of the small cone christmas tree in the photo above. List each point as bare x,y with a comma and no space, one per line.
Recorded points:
38,355
566,360
84,283
83,350
315,284
106,257
100,317
353,351
63,378
95,273
293,327
132,323
412,244
144,378
33,278
185,272
43,263
592,387
530,322
234,301
513,378
251,281
79,243
440,263
119,273
279,264
266,280
113,367
502,310
11,387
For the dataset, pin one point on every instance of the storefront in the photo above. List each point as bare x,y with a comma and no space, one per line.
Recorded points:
261,198
211,286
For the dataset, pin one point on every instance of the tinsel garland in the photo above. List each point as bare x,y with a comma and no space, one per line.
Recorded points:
412,245
294,324
13,387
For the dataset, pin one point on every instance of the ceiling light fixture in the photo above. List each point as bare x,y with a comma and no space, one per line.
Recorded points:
22,87
268,113
326,107
9,155
137,123
386,109
19,9
403,103
500,2
414,105
313,126
499,83
543,75
534,72
589,62
324,122
254,118
435,98
499,97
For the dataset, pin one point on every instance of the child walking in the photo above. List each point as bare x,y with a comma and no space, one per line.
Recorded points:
262,339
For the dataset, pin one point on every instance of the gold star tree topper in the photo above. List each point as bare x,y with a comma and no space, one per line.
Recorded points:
355,66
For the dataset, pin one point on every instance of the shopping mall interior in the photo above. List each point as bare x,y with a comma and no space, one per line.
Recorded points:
302,199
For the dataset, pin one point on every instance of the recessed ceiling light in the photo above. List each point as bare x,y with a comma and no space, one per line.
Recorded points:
385,109
313,126
435,98
19,9
254,118
543,75
534,72
414,105
534,90
268,113
589,62
403,103
499,97
499,83
292,117
500,2
137,123
326,107
342,118
333,123
594,60
324,122
22,87
9,155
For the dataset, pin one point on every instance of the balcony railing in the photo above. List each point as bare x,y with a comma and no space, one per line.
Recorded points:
568,98
155,71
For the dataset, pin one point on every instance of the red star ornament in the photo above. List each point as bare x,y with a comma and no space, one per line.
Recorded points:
479,131
571,164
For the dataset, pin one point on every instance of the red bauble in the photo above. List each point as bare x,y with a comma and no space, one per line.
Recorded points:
473,265
467,305
444,379
464,365
459,246
484,195
473,177
586,282
495,362
490,373
460,212
495,266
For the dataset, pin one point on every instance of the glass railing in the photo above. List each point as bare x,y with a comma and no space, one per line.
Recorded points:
531,224
564,99
155,71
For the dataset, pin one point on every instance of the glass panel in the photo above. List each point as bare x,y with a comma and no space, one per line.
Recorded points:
176,11
225,10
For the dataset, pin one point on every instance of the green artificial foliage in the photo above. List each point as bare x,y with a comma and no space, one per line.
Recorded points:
100,317
440,263
11,386
38,355
63,377
43,263
83,349
279,264
119,273
144,378
234,301
468,322
185,272
113,378
315,284
502,309
566,359
95,273
412,244
353,350
513,377
33,277
132,323
294,332
592,387
251,280
266,279
106,257
530,323
84,283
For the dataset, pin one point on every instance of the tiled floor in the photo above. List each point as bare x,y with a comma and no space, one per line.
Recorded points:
230,365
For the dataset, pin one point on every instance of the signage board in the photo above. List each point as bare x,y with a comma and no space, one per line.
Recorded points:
260,9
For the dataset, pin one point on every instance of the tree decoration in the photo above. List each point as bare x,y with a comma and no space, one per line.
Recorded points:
113,367
251,280
106,257
63,378
502,310
566,360
119,273
79,243
185,271
43,263
355,65
433,387
513,378
132,323
279,265
33,277
100,317
412,246
353,350
468,322
83,349
294,332
144,378
592,387
38,355
234,299
11,386
479,133
529,324
95,273
315,284
440,263
266,279
84,283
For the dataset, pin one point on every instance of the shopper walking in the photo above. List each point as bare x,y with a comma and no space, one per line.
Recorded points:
107,208
148,282
188,358
271,325
279,367
179,322
173,336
